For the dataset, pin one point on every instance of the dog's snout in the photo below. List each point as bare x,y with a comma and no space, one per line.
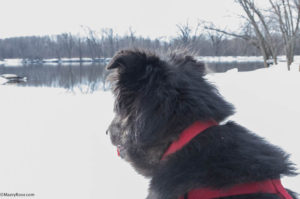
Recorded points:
121,151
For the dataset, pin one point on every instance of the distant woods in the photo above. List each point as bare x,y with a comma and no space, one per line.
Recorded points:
268,31
105,43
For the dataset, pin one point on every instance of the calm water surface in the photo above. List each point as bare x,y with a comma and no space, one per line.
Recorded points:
90,78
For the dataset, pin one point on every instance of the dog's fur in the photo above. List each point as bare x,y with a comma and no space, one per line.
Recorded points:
156,99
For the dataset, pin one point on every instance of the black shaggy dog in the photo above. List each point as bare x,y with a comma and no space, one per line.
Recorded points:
157,98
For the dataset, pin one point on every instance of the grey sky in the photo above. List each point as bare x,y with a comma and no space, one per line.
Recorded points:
154,18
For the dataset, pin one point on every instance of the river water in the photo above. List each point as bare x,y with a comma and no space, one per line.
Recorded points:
89,78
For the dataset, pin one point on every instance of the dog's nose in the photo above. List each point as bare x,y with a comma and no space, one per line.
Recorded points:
120,151
107,132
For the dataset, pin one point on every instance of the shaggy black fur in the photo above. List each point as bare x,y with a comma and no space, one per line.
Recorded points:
156,99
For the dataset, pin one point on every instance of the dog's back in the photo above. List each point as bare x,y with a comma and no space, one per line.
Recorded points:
159,98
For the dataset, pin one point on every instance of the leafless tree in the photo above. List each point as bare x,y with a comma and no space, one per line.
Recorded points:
216,39
261,28
184,33
132,36
55,46
262,35
109,38
287,17
247,34
67,43
79,45
188,38
94,43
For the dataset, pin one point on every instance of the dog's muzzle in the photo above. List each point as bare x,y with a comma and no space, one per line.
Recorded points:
120,151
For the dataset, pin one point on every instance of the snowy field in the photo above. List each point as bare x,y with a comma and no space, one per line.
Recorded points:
53,143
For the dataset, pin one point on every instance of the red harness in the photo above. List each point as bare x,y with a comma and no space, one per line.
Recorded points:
272,186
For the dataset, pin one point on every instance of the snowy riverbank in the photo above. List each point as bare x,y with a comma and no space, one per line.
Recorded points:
62,61
207,59
54,142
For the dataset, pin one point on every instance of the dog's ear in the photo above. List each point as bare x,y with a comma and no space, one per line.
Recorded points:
200,66
127,58
193,62
189,63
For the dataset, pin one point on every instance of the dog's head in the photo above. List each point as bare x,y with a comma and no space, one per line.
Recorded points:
155,99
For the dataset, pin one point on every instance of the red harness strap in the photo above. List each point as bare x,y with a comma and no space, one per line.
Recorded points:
273,186
188,134
268,186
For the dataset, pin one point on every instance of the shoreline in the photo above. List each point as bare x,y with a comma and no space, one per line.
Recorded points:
85,60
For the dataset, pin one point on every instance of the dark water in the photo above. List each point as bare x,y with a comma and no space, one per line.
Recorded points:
86,78
90,78
221,67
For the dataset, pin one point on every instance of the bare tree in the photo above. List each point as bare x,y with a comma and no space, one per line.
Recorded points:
132,36
67,43
55,45
79,45
216,39
108,36
257,20
247,34
287,16
188,37
94,43
184,33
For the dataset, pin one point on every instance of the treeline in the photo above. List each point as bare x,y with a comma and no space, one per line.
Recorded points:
68,45
106,43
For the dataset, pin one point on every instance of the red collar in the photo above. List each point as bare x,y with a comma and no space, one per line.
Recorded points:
188,134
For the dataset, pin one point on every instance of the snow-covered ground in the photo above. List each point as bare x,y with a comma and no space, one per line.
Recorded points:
68,61
231,58
53,143
62,61
238,59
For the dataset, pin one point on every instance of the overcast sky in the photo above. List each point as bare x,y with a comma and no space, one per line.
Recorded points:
154,18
